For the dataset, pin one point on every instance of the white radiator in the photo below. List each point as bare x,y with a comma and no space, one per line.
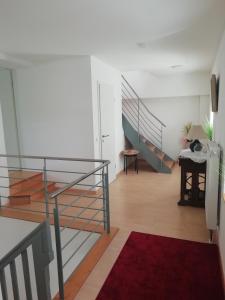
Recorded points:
212,185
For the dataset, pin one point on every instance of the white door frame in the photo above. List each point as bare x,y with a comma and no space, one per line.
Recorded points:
99,118
113,163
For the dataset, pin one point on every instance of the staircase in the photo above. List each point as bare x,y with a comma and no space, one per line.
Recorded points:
144,130
27,186
73,195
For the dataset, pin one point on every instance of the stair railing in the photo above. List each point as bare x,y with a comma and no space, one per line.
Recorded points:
79,201
39,240
99,205
147,125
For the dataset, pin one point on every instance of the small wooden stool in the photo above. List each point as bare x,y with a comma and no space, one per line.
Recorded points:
130,153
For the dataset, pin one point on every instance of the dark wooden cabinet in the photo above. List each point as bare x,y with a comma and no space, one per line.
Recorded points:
193,182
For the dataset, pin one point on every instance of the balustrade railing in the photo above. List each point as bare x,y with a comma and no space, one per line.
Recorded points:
71,193
39,240
147,125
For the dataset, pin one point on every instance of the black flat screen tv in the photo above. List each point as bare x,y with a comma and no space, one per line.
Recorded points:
214,93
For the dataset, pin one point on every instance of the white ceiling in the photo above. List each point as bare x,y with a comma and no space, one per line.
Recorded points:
148,35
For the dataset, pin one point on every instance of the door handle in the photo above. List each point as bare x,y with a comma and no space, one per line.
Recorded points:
104,136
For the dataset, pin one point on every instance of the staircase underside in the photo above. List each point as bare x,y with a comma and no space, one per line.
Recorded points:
157,159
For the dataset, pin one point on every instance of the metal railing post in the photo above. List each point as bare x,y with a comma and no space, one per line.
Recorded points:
106,200
103,199
161,138
58,250
161,143
138,120
46,188
40,244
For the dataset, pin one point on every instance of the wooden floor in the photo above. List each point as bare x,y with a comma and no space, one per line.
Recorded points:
146,202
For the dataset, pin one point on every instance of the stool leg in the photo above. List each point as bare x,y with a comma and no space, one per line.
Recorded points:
137,164
124,163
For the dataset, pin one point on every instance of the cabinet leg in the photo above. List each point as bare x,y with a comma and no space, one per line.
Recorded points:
210,236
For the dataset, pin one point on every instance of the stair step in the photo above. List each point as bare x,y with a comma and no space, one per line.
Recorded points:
169,163
41,193
19,200
160,154
144,140
23,180
33,193
151,147
153,155
17,177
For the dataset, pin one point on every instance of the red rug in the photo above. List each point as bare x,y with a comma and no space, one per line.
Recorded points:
152,267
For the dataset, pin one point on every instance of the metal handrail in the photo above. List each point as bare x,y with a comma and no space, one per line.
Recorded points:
145,122
40,242
140,111
60,210
75,182
57,213
154,116
144,118
145,134
53,158
143,126
130,87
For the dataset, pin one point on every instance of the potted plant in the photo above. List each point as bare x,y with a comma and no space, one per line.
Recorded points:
208,129
185,143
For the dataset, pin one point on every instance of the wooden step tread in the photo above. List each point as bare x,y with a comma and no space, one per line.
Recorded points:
160,155
169,163
151,147
32,190
18,177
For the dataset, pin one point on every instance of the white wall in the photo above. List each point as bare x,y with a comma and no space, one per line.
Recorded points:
175,113
219,126
8,115
54,104
57,105
148,85
103,73
204,108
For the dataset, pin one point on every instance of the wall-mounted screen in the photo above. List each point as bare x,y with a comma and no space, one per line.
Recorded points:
214,93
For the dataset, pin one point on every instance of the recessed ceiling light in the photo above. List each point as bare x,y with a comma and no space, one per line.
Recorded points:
176,66
142,45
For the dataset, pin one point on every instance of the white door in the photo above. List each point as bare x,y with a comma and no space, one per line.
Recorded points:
106,125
